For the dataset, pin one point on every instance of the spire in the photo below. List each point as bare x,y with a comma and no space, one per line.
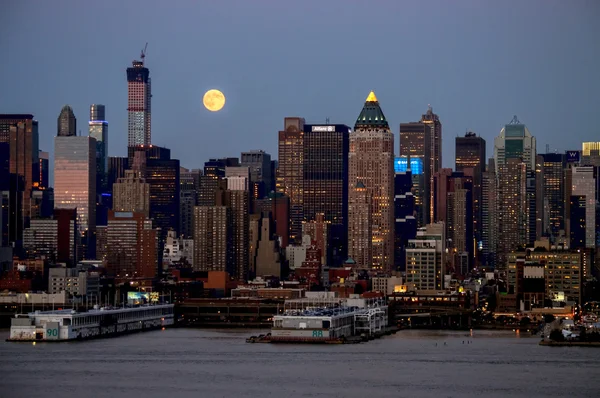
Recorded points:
372,97
371,115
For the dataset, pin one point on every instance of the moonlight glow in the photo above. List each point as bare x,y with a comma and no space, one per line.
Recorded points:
214,100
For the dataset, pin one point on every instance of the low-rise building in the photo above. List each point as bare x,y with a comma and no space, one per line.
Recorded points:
73,282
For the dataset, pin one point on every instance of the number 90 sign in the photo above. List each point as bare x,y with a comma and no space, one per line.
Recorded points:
52,332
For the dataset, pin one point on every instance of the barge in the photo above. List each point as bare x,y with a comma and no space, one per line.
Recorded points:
328,321
67,324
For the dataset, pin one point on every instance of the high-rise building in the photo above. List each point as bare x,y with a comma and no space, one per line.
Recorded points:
551,196
471,154
584,186
590,154
208,187
98,129
131,247
213,241
360,226
404,214
259,163
515,142
67,123
279,206
371,162
56,237
237,203
423,139
23,142
132,193
138,104
75,183
216,167
514,211
426,258
268,259
290,174
488,245
325,181
187,201
238,178
453,205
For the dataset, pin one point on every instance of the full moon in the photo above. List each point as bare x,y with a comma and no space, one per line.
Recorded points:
213,100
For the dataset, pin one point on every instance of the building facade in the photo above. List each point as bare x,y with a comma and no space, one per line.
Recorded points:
132,193
139,105
371,162
426,259
67,123
290,171
98,129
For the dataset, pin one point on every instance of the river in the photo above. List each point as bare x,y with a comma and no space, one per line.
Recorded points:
218,363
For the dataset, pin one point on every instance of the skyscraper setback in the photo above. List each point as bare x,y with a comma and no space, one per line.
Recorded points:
371,163
138,104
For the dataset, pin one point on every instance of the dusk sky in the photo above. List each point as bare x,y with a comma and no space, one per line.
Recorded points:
477,63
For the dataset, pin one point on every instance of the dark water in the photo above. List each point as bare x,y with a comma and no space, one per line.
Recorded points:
208,363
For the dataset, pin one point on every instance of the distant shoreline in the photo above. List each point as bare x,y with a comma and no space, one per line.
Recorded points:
570,343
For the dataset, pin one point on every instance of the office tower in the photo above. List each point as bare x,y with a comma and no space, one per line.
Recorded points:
116,169
139,104
187,201
453,205
590,154
259,164
75,184
551,194
209,186
325,181
268,259
131,247
513,209
489,229
371,162
404,215
279,206
360,226
237,201
290,174
56,237
43,179
471,154
213,241
426,258
23,142
318,232
98,129
132,193
584,198
401,165
423,139
216,167
515,142
67,123
163,175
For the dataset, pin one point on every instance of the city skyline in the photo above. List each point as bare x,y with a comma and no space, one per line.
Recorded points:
487,102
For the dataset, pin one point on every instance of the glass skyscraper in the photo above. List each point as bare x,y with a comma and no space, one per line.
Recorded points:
99,131
75,179
66,123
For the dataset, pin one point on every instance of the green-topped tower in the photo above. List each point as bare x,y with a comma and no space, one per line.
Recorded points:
371,180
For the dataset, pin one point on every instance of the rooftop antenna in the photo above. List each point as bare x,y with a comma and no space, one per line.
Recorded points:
547,148
144,53
326,120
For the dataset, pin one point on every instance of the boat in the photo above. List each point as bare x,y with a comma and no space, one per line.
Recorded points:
68,324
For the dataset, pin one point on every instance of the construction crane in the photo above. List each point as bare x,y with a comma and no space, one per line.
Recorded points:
144,53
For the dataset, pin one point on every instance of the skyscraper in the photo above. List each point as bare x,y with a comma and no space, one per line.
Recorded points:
552,195
423,139
237,203
471,154
138,104
67,123
489,228
371,162
98,129
515,142
584,187
404,214
325,181
75,183
290,174
259,163
213,248
132,193
24,156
